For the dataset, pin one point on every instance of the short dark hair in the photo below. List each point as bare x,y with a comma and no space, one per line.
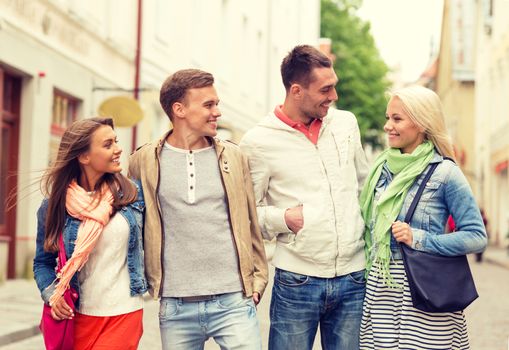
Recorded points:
175,87
298,64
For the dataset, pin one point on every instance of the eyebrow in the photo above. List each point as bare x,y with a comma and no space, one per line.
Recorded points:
111,139
328,86
211,101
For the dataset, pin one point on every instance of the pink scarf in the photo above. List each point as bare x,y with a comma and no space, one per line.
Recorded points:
82,206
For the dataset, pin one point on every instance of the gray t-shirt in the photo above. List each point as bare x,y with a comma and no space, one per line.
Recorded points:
199,253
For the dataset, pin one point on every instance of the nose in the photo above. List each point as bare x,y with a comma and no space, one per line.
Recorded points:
388,126
118,149
334,95
216,112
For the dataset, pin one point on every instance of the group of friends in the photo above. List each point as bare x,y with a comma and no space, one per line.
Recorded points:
188,221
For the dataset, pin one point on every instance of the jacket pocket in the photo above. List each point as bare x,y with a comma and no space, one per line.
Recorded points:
315,239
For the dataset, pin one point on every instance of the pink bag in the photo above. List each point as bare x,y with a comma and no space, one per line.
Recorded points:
59,335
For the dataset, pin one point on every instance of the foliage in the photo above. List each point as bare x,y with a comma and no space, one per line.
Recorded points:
358,65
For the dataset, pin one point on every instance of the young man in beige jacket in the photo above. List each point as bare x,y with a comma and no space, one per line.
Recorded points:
204,254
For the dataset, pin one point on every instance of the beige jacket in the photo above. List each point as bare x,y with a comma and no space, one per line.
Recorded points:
144,165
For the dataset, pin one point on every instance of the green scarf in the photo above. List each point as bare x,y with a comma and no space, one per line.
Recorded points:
405,167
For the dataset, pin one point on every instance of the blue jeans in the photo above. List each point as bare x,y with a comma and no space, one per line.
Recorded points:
228,318
300,303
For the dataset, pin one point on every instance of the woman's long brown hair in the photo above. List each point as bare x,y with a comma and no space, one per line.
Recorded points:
66,168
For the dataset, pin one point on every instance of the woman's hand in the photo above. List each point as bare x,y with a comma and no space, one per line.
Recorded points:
61,310
402,232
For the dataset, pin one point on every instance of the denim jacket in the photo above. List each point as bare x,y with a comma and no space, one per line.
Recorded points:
45,262
446,193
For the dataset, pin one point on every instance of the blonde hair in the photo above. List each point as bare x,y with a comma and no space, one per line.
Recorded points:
424,108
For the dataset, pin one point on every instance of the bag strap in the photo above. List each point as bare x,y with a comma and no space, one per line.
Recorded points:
62,259
411,210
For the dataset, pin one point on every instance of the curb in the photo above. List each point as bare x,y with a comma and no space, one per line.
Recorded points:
499,263
19,335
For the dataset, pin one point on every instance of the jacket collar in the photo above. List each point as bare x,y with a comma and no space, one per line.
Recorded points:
217,143
437,158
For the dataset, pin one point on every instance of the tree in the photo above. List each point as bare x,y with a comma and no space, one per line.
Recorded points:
358,65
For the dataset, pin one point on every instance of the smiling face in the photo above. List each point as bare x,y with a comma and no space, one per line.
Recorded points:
199,112
401,131
103,155
316,99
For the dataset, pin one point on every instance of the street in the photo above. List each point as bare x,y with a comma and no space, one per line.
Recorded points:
487,317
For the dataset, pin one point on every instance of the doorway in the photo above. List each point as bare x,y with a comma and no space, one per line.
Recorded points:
10,94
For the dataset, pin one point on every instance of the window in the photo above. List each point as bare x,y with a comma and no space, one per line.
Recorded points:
65,111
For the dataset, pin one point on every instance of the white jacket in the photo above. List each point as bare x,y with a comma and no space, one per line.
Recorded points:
289,170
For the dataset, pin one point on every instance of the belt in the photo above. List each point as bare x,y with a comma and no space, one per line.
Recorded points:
198,298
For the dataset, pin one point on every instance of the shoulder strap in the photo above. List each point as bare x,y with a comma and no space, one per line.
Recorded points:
62,259
418,195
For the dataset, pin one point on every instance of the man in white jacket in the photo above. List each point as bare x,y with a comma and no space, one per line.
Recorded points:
308,167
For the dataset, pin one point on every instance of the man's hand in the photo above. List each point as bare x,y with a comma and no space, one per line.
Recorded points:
294,218
402,232
256,298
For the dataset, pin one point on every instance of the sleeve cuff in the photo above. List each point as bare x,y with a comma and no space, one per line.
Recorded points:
47,293
418,239
275,222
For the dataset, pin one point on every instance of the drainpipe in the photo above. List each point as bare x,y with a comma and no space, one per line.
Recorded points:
137,67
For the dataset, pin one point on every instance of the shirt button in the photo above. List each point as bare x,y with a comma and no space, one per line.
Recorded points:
190,163
418,245
191,175
191,187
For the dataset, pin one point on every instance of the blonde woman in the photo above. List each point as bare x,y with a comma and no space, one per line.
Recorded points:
417,137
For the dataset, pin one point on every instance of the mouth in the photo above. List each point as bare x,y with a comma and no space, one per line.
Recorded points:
116,160
212,121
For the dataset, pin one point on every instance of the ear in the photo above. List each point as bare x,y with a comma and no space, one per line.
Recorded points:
178,109
296,91
84,158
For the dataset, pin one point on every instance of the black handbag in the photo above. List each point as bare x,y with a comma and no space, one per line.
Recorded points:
437,283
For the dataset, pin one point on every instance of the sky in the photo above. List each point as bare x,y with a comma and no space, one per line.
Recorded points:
404,32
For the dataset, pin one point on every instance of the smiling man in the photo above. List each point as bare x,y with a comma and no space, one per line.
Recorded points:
308,167
204,253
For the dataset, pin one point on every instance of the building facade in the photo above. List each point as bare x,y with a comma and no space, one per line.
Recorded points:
492,115
455,80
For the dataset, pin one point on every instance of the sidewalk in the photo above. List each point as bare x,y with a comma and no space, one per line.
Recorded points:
497,256
21,306
20,310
